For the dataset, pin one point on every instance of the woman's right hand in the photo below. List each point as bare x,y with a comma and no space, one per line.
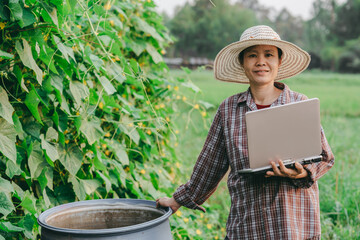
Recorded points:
168,202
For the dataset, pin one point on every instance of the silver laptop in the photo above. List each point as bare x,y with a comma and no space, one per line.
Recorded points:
289,132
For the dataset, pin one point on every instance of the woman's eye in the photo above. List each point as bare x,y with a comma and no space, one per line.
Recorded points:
269,55
252,55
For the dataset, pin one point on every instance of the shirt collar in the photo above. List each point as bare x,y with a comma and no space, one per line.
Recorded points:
282,99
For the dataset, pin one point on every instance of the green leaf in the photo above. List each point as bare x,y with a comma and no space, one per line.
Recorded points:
90,185
96,61
33,128
27,19
6,206
27,59
36,161
64,105
57,82
49,174
29,202
148,187
116,72
15,9
132,133
8,227
145,27
7,140
12,169
97,161
6,55
51,135
51,11
135,66
47,56
18,192
4,11
156,57
91,130
120,152
42,179
18,74
27,223
71,157
192,86
50,149
119,173
106,180
105,39
109,88
18,126
136,46
6,109
46,197
66,51
5,186
78,188
62,120
79,91
32,102
207,105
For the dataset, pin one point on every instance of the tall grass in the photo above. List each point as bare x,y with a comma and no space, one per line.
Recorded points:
339,96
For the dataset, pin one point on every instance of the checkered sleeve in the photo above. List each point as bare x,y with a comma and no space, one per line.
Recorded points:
211,166
316,170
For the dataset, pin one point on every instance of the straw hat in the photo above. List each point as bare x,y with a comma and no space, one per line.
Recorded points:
228,68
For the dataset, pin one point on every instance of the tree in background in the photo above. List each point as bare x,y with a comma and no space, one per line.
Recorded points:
347,32
290,28
345,25
201,29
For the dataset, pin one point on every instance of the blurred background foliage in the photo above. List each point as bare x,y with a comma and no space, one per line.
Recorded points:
203,28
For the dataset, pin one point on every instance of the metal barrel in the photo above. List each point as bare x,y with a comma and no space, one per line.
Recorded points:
104,219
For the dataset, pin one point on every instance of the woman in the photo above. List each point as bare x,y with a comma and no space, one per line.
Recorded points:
283,204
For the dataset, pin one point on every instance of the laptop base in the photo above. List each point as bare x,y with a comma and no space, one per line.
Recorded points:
288,164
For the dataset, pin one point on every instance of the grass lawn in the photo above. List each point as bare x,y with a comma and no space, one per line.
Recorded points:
339,96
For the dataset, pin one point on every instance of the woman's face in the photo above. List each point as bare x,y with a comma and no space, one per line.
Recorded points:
261,64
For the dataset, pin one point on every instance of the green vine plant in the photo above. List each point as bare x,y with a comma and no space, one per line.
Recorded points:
86,108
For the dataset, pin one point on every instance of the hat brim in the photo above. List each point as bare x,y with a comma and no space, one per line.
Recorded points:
228,68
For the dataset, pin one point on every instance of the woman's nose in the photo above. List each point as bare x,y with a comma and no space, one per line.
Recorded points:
261,61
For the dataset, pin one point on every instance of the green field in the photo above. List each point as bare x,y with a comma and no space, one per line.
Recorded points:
339,96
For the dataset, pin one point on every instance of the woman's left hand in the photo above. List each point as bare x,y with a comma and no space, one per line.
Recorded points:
282,171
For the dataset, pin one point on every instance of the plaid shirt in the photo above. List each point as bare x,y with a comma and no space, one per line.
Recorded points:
261,208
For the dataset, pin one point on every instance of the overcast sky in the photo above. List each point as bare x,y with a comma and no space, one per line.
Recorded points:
296,7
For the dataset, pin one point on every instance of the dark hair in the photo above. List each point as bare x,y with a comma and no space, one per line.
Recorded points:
241,54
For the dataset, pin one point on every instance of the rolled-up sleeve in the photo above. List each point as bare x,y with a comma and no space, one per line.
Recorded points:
211,166
316,170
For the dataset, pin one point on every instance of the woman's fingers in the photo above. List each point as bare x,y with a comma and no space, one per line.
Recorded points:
168,202
276,170
282,171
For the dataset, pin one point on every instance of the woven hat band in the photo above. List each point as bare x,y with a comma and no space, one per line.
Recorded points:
259,32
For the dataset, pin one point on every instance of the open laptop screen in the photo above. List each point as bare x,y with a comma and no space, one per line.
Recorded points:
290,132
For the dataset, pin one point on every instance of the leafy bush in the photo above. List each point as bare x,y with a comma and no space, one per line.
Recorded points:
349,60
86,108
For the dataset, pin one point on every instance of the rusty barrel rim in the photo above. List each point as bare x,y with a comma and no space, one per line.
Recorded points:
108,231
